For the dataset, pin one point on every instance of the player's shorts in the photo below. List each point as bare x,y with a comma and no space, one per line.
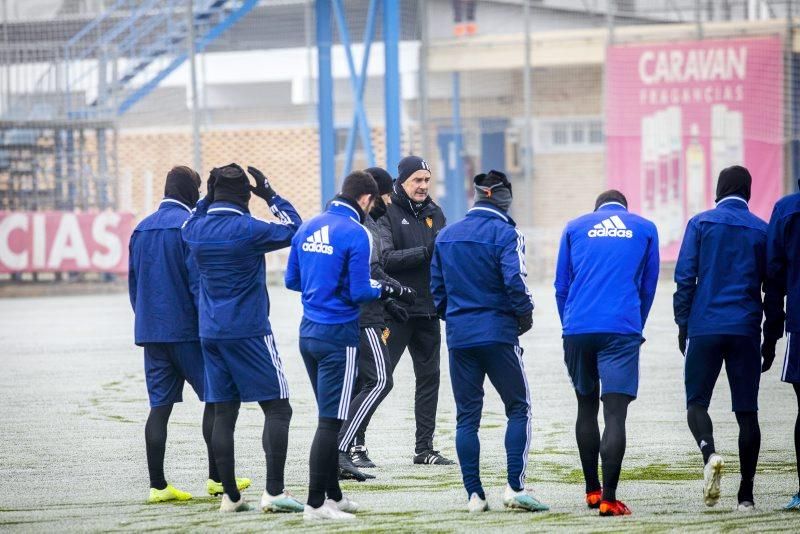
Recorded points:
791,361
332,368
610,361
246,370
167,366
704,358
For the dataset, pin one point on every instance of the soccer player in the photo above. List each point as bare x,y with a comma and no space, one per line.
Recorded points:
720,271
162,284
242,360
783,280
605,283
374,366
329,265
408,231
478,284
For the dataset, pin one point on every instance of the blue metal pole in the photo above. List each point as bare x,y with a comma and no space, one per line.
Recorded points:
455,189
391,40
327,133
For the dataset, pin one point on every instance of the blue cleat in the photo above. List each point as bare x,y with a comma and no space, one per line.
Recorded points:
794,504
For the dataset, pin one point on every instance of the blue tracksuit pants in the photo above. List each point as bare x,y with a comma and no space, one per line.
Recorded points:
502,363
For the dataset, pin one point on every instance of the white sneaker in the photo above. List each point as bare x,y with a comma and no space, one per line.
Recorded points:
284,502
227,505
327,511
345,505
712,474
477,505
746,506
522,500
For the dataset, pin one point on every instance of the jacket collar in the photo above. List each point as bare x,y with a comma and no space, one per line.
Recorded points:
344,206
733,201
611,206
225,208
489,210
172,203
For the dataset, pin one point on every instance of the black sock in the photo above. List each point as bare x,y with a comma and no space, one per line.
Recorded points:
749,447
702,429
324,462
275,440
587,434
155,439
797,433
612,446
225,415
208,428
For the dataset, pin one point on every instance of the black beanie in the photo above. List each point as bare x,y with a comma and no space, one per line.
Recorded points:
183,185
232,185
382,178
734,180
612,195
409,165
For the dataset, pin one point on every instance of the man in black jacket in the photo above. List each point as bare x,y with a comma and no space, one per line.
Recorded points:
408,231
374,365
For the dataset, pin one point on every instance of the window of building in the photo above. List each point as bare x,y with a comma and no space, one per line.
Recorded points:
573,134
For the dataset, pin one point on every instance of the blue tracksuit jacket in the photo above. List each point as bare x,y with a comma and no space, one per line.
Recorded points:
329,264
607,272
162,278
783,267
228,245
478,278
720,271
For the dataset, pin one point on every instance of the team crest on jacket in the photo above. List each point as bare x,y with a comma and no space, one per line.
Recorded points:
611,227
429,221
319,242
385,336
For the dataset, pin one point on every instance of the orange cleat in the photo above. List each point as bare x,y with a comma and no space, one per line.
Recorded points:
609,508
593,498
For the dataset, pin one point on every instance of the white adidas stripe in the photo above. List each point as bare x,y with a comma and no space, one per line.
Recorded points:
786,355
283,385
518,351
612,223
349,379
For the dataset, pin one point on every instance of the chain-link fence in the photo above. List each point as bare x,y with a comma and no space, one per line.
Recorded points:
568,97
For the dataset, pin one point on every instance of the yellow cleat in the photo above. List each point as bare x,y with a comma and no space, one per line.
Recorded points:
170,493
215,488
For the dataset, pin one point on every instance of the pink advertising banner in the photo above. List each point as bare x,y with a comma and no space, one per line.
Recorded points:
678,113
57,241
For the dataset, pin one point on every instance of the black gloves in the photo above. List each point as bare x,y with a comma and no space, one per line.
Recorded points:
395,311
393,290
212,181
524,323
262,188
768,353
682,333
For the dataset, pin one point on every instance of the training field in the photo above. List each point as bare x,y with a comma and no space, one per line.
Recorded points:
74,405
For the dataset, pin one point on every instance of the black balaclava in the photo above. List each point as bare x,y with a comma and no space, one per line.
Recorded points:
734,180
494,188
183,185
353,204
384,181
612,195
232,185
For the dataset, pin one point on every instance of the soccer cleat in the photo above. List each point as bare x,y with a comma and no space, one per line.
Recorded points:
284,502
214,488
431,457
170,493
228,506
612,508
712,474
348,470
327,511
746,506
794,504
345,505
522,500
477,505
593,498
358,455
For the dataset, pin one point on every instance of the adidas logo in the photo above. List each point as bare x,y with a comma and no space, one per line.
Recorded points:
319,241
611,227
404,221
